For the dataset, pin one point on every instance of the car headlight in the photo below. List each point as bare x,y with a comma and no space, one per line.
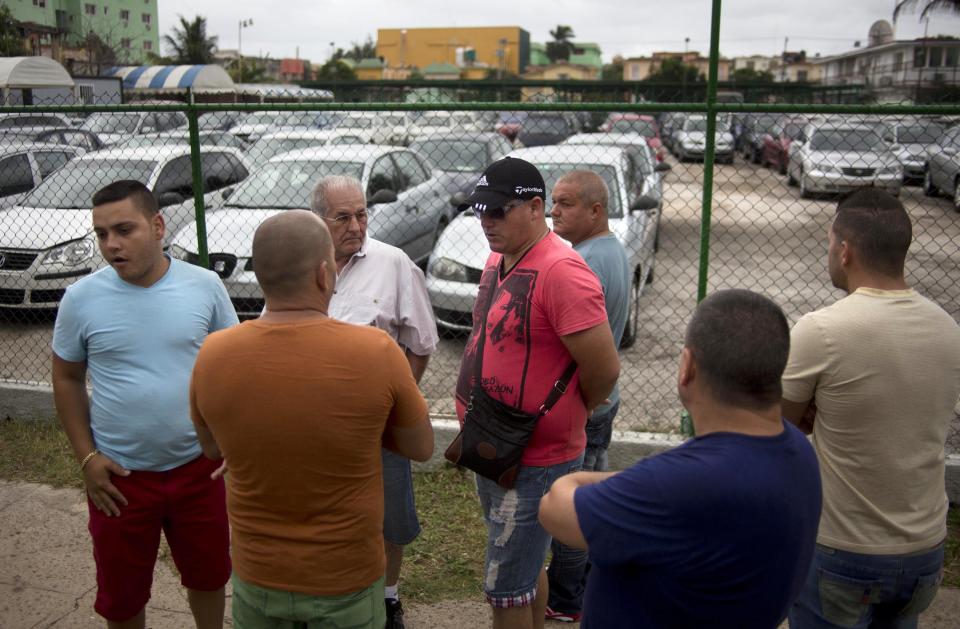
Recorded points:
72,253
182,253
828,168
447,269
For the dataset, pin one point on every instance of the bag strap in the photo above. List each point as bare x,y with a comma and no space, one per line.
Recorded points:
559,388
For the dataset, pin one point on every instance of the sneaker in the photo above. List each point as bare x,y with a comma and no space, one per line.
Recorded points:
552,614
394,613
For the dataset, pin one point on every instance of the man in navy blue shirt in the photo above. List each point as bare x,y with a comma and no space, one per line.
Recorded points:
720,531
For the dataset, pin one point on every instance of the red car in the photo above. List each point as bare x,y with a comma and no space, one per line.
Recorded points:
776,145
636,123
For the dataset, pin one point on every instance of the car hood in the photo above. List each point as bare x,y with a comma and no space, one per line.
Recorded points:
463,241
42,228
228,231
871,159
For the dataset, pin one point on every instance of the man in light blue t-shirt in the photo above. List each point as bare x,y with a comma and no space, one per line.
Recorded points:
580,215
136,326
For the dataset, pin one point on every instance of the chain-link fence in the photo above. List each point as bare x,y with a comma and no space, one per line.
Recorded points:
773,171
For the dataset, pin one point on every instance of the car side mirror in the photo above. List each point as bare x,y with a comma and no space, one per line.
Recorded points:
384,195
644,203
662,167
226,192
458,199
169,198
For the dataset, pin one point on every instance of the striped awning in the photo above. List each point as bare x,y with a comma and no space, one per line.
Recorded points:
197,77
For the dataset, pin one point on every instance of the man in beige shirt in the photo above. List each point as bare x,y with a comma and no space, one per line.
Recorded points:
875,377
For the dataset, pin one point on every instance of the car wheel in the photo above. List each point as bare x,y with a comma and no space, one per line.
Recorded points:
756,156
804,193
790,179
956,195
783,167
633,314
928,188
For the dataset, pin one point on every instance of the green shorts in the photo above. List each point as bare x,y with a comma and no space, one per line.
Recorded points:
256,607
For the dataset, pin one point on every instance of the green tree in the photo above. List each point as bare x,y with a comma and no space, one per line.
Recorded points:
561,47
928,7
11,44
675,71
613,71
100,54
190,43
357,51
254,70
749,75
335,70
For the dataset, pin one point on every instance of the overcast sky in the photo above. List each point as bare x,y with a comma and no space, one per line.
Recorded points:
626,27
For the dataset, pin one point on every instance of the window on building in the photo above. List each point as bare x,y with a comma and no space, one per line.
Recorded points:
105,9
919,57
936,56
148,45
751,65
146,18
125,42
802,76
952,57
125,15
898,62
90,9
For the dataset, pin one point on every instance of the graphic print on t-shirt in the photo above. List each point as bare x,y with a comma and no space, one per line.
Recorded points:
508,322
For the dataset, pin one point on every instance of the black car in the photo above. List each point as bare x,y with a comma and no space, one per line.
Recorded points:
541,129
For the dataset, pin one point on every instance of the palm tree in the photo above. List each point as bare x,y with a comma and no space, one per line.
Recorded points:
561,46
929,6
190,43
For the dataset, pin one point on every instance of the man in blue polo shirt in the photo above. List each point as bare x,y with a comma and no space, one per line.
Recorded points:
137,326
718,532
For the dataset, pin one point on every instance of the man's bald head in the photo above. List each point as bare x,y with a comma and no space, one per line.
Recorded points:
287,250
590,186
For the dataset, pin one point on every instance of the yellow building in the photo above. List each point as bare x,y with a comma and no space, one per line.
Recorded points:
639,68
498,47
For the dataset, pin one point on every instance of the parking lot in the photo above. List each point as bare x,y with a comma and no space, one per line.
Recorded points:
764,238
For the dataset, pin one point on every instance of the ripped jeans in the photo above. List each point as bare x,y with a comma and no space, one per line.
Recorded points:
516,543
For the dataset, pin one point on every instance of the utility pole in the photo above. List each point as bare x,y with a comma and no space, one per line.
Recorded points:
242,24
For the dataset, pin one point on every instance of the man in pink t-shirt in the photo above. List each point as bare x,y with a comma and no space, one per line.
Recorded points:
546,310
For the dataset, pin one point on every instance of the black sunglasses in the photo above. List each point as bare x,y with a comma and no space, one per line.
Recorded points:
500,212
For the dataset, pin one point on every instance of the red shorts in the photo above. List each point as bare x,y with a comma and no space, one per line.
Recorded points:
189,508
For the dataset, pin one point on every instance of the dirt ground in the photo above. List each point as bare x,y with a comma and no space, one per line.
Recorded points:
764,238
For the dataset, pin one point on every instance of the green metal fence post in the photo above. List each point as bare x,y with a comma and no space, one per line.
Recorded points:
709,154
198,186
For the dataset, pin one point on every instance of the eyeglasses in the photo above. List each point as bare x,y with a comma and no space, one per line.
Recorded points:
342,220
500,212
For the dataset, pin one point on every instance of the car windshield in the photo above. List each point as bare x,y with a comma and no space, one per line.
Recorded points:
268,148
920,134
175,139
545,124
455,155
700,124
646,128
512,117
288,184
855,140
73,185
216,120
435,120
763,124
552,173
355,122
111,123
793,131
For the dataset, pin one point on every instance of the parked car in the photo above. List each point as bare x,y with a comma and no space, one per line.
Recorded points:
912,140
755,126
943,167
776,145
645,175
182,136
47,239
115,127
462,152
409,206
24,166
377,127
690,140
669,123
256,124
218,120
25,127
457,261
80,138
837,159
545,128
636,123
509,122
272,144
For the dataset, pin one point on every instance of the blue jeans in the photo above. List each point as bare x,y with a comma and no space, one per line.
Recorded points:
569,567
852,590
516,542
400,523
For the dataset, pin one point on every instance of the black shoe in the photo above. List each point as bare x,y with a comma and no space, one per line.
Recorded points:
394,613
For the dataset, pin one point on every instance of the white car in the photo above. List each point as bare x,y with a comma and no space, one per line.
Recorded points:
457,261
24,166
837,159
256,124
409,206
47,240
690,140
378,127
116,126
434,122
272,144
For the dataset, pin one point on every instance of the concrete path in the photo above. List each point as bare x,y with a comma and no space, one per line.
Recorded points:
47,576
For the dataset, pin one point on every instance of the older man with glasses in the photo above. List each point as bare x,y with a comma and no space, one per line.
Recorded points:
378,285
540,335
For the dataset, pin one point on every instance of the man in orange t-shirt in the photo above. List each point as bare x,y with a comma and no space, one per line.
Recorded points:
299,405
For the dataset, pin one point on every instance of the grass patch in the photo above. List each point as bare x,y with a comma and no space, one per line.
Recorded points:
446,561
